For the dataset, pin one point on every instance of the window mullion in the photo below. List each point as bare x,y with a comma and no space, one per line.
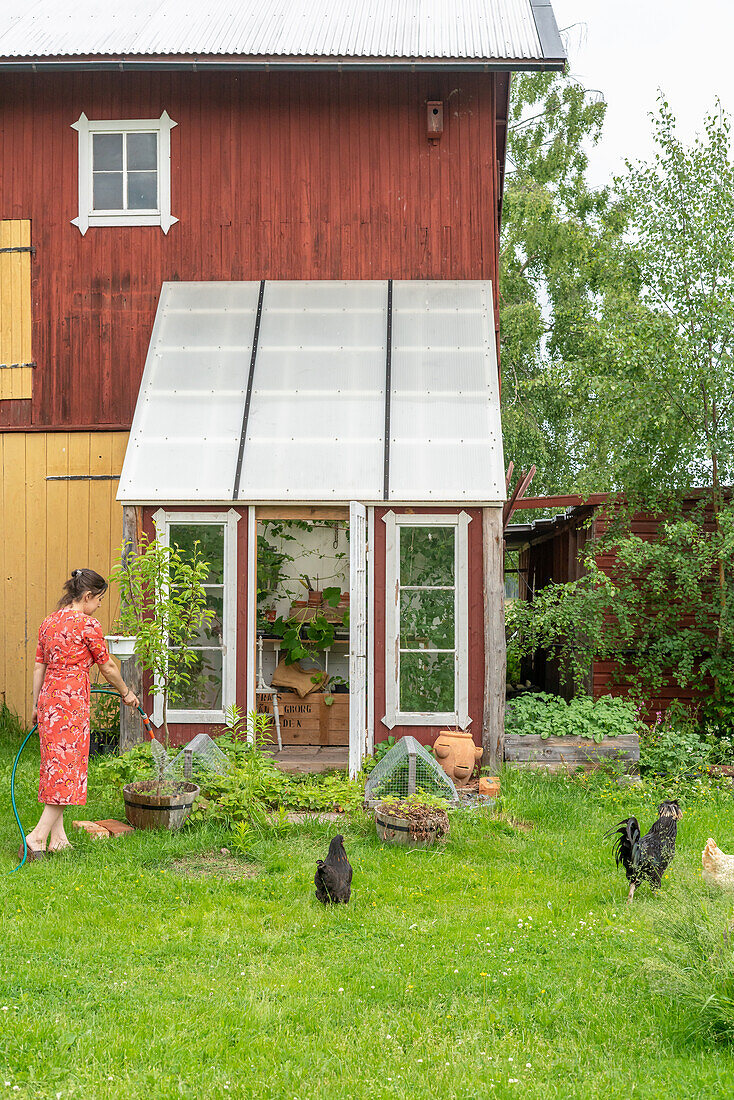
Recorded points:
124,170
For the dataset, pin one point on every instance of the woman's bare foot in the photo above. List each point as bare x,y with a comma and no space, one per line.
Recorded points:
58,843
35,844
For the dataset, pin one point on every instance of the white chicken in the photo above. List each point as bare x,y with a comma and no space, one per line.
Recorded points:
718,867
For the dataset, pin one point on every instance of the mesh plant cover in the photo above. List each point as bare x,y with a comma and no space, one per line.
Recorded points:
405,769
206,759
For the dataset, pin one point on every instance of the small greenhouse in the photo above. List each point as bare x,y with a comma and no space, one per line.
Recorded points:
336,447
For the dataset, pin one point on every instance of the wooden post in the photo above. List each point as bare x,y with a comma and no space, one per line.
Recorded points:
495,656
131,728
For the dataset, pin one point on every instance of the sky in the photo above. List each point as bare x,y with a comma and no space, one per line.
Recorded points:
627,49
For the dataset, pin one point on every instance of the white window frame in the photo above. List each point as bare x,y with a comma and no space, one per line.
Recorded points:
393,716
89,217
229,520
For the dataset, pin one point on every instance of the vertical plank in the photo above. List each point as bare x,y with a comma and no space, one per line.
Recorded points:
101,539
77,501
35,539
57,534
14,577
15,311
495,657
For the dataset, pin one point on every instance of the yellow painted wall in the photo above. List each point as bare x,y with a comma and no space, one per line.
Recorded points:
15,311
49,528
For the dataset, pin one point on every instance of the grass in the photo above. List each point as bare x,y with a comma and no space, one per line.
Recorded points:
503,963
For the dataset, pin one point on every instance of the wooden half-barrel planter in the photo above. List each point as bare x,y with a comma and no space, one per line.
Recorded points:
150,805
568,753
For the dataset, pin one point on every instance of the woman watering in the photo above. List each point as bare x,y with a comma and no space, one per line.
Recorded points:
69,642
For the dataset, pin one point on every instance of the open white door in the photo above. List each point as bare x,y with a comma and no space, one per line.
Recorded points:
357,635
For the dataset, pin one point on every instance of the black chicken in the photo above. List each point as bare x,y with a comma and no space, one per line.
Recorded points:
333,876
646,859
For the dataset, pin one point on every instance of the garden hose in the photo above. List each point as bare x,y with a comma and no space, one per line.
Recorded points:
147,726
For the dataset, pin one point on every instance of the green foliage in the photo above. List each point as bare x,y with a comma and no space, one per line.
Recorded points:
163,597
559,263
104,720
551,716
668,370
678,744
617,304
11,727
665,614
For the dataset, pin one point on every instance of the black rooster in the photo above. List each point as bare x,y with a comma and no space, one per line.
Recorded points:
333,876
646,859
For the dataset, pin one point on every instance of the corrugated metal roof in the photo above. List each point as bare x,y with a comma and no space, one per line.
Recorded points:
420,30
315,426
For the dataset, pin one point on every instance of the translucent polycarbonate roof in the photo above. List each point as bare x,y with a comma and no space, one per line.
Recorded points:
304,417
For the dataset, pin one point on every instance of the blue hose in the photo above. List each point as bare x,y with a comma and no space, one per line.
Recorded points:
98,691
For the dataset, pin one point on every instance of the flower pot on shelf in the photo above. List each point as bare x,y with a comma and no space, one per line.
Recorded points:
150,805
121,645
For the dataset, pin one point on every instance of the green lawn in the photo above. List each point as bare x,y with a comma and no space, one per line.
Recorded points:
503,963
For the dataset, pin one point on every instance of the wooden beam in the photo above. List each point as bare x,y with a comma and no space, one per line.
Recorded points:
570,500
495,657
302,511
131,728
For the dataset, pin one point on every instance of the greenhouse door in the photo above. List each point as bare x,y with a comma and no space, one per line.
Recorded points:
357,635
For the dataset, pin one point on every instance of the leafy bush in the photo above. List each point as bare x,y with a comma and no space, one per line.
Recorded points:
251,790
678,744
551,716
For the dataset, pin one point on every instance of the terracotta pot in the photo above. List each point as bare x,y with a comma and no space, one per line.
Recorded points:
146,809
489,786
457,754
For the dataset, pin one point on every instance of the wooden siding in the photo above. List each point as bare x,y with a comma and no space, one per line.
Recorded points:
274,176
16,376
49,528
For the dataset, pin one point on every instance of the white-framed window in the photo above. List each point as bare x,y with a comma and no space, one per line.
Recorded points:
212,676
427,620
124,172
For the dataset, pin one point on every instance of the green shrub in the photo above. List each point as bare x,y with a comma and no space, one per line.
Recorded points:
551,716
678,744
250,791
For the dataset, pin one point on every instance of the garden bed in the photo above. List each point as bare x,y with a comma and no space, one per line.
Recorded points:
567,753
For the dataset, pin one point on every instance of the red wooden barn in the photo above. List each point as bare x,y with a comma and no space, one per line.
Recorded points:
266,246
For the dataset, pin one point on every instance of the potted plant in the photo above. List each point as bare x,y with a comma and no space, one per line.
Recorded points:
418,820
163,595
121,642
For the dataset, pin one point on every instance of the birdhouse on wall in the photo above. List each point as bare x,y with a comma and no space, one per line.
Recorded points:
434,120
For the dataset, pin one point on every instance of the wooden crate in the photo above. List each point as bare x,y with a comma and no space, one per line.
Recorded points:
309,721
559,753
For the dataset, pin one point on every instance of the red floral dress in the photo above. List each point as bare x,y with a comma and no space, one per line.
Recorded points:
69,642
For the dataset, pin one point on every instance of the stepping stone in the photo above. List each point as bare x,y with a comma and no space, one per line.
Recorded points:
116,828
99,832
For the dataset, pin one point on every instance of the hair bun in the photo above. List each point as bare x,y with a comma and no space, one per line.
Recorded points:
76,573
